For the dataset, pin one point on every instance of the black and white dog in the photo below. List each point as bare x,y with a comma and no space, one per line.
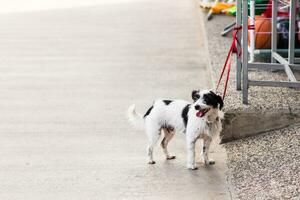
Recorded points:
198,120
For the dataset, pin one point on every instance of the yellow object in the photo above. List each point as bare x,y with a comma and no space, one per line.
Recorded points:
219,7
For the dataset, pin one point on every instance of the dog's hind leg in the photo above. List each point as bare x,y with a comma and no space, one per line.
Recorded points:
153,136
164,143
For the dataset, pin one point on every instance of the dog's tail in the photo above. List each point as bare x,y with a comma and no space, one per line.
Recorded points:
134,118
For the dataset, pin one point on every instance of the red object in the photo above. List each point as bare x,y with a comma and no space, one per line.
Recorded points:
232,50
268,12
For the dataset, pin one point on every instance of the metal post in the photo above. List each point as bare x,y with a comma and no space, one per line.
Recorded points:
245,51
238,59
292,32
274,29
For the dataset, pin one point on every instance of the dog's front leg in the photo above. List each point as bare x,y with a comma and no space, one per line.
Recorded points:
191,153
206,145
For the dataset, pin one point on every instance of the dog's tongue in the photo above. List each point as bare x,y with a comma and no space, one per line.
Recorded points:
199,113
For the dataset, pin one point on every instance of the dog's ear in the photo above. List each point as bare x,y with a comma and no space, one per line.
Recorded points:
219,99
220,102
195,95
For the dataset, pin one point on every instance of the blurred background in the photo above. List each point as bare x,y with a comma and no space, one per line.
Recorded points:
33,5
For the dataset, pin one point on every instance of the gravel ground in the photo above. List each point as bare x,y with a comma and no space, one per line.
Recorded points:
264,166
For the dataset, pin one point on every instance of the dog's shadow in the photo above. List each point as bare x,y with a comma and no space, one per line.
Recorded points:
176,171
175,166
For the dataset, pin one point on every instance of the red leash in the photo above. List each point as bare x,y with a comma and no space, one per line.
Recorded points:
233,49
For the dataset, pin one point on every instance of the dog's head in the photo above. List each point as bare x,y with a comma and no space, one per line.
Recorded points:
205,101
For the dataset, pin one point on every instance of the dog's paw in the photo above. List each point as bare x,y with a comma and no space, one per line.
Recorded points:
209,162
192,167
171,157
151,162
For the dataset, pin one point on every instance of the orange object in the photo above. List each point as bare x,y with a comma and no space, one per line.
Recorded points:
219,7
263,28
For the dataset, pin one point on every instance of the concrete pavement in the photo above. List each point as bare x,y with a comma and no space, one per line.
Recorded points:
66,78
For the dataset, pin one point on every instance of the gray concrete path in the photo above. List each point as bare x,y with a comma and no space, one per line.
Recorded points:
66,78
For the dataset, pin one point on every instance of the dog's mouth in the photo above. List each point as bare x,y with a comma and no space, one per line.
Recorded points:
202,112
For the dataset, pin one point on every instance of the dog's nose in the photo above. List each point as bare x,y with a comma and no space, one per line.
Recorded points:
197,107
